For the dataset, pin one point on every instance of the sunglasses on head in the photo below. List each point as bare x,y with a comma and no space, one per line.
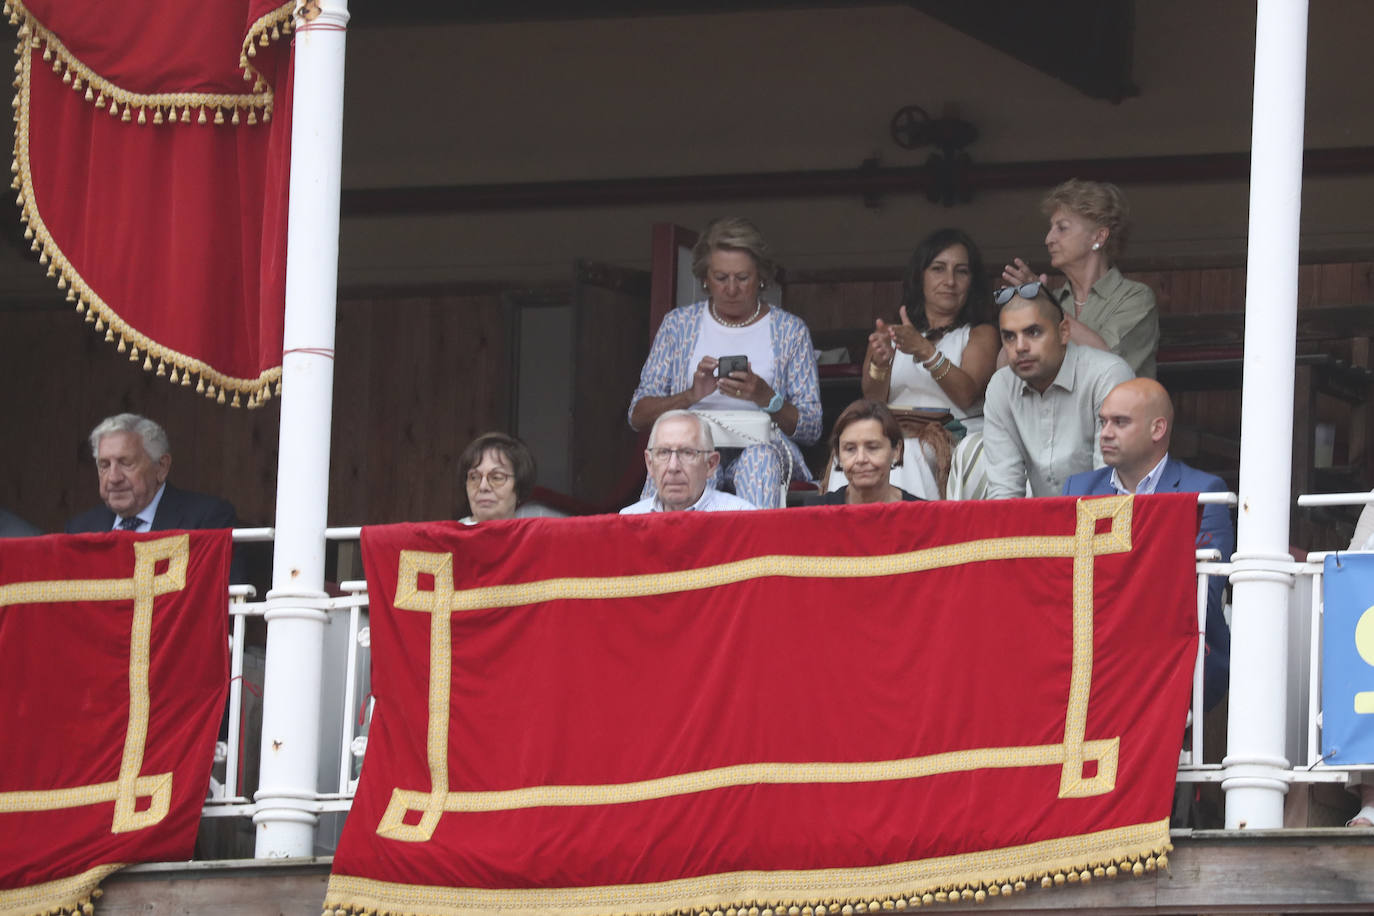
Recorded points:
1025,291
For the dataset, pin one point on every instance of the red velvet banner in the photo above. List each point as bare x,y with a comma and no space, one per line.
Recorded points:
152,142
880,705
114,668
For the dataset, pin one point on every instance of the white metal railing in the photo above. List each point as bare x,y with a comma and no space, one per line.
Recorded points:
227,800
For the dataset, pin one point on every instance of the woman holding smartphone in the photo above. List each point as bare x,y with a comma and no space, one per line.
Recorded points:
777,378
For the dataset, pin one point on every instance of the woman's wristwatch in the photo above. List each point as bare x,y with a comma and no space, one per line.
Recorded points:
775,404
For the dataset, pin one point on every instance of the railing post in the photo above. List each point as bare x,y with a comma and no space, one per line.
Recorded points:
1255,771
296,616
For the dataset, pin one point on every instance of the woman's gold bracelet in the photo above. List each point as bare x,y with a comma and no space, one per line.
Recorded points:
878,375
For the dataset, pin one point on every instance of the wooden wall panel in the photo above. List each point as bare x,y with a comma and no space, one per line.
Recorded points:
612,327
416,380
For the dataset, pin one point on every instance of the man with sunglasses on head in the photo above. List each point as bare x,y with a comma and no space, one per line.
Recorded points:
680,459
1040,411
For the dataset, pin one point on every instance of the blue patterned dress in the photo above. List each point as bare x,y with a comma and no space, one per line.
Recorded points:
758,471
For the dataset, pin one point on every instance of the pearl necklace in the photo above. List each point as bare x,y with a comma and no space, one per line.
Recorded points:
758,307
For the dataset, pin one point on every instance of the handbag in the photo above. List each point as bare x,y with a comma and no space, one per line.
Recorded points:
930,428
738,428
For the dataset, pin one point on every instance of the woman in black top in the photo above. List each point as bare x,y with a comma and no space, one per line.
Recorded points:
866,444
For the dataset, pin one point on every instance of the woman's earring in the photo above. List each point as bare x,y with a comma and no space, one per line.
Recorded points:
762,284
1096,245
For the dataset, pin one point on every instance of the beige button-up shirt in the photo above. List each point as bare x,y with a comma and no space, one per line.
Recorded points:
1044,438
1124,313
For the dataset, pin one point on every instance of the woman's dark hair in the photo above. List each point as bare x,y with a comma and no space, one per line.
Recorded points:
516,452
866,410
977,307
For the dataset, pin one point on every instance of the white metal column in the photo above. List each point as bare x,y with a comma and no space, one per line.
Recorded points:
1255,770
296,617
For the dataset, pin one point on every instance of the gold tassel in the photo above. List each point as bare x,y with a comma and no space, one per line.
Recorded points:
276,33
67,77
236,399
266,113
99,100
125,116
235,118
219,115
47,52
186,115
220,399
161,368
157,115
133,354
262,39
252,50
142,115
252,116
114,108
43,257
201,119
76,84
186,378
200,384
89,96
147,363
171,376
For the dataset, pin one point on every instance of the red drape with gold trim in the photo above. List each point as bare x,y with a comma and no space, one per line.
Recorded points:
113,674
688,712
152,155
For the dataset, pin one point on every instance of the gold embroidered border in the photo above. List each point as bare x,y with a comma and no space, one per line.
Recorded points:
442,600
123,103
176,366
56,896
144,587
969,876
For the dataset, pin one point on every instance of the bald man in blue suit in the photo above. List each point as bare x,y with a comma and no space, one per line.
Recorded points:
1137,419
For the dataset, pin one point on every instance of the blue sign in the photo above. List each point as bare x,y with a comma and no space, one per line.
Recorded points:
1348,659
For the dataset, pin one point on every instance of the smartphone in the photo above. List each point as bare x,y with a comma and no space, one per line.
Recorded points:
727,364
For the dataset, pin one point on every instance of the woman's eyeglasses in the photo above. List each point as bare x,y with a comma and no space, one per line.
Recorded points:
497,478
1025,291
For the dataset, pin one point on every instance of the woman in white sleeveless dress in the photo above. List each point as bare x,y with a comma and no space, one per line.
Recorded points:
939,357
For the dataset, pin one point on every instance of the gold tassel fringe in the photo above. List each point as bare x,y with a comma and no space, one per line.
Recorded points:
121,103
1000,886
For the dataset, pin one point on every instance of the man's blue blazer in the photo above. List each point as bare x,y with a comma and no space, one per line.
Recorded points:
1216,533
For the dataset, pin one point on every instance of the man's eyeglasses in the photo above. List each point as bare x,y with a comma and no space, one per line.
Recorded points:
684,455
1025,291
497,478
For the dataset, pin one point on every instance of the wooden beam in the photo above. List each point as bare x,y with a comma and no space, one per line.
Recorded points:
865,182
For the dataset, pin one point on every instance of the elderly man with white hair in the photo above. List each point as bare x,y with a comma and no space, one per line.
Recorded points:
681,457
132,461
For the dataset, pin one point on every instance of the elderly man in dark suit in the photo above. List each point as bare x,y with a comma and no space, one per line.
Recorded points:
1137,419
132,460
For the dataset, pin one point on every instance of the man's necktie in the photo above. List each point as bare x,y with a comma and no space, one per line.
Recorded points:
132,523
